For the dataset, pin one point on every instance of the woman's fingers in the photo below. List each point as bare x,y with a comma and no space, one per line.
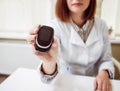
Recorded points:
37,53
109,86
32,35
49,56
102,82
95,84
35,30
104,88
31,39
54,47
100,85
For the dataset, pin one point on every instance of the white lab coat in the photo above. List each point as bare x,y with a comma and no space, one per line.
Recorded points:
77,57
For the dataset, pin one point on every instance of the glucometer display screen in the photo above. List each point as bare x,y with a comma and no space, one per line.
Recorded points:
45,35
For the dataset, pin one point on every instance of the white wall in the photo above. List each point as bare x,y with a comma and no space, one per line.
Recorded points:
109,12
118,17
23,15
14,55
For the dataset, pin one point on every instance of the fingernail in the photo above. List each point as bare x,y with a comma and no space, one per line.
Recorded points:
36,52
39,26
54,45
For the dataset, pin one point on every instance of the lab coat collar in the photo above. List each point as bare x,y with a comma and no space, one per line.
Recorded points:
93,37
76,39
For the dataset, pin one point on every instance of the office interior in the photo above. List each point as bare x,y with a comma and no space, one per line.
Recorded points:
19,17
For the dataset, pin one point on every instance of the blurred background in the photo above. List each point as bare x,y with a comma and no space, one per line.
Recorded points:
18,17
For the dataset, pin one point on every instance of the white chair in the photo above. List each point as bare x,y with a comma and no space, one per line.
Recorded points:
117,68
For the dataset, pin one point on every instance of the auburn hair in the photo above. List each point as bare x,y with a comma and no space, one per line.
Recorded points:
62,11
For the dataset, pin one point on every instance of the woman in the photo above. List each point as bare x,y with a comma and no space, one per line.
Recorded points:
82,43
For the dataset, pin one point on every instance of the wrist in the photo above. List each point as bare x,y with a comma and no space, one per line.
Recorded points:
105,73
49,63
49,68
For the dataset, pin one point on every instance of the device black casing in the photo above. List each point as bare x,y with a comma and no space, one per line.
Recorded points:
44,38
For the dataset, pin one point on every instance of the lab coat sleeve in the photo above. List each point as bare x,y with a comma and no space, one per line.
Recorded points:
44,77
106,58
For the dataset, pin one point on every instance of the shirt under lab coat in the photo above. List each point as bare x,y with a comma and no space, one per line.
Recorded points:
79,58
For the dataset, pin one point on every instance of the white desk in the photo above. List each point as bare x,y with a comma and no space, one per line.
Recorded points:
28,80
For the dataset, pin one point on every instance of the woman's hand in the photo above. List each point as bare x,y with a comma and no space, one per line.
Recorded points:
102,82
49,58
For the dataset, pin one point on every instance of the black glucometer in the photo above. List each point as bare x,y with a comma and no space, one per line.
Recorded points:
44,38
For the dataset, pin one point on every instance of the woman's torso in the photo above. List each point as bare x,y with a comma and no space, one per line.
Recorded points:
77,57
